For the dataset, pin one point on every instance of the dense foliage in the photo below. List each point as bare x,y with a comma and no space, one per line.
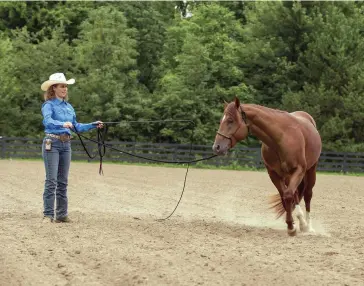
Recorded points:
176,60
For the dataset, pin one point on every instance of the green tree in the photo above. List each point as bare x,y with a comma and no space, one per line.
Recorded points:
200,66
275,38
107,87
41,17
150,19
332,67
27,65
9,113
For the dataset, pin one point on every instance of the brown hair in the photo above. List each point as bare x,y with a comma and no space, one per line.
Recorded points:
50,94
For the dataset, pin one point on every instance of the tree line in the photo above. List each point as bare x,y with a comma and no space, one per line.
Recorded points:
182,60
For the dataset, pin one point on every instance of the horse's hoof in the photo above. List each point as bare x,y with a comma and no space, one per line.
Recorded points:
304,227
292,232
310,231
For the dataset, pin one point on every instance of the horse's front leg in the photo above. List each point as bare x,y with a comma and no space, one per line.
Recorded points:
298,211
294,179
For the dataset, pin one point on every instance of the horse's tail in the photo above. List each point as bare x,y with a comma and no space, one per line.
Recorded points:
277,204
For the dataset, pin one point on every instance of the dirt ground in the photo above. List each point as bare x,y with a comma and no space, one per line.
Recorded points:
223,232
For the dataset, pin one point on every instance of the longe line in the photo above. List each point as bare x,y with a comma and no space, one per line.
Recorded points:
101,135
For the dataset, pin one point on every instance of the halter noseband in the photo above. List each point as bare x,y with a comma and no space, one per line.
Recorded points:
243,116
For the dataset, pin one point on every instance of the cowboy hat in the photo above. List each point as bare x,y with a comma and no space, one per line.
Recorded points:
56,78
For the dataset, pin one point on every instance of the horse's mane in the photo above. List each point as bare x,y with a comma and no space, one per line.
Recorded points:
231,109
268,109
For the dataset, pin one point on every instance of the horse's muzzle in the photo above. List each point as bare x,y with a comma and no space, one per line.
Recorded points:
219,149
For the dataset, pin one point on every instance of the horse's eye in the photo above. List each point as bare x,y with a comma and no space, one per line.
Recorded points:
230,121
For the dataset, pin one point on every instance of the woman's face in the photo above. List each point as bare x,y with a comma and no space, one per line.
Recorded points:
60,90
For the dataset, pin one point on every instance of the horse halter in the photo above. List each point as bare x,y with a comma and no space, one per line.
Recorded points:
243,116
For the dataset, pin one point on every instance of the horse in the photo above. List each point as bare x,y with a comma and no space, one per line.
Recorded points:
291,148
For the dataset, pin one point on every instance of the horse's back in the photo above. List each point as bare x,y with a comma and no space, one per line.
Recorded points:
304,115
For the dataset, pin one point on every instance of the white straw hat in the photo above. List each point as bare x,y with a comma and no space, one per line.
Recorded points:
56,78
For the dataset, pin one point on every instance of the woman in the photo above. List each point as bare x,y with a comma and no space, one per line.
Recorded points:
58,119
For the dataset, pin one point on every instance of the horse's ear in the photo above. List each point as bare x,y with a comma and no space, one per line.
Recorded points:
225,104
237,102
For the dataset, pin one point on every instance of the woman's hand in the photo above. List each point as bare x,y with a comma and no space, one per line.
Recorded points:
99,124
68,125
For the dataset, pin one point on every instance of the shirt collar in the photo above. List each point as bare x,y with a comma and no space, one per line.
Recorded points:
58,101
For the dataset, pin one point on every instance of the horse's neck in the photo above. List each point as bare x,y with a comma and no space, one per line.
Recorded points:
263,124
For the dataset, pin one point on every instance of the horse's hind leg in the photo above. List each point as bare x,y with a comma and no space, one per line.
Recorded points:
311,180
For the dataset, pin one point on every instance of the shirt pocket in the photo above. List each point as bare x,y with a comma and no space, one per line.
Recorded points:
59,115
69,114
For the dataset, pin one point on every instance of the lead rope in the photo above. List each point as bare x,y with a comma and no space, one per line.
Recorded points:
101,144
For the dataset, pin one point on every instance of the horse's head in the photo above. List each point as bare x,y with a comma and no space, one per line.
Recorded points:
233,128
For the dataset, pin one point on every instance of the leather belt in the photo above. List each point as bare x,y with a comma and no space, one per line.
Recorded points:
62,137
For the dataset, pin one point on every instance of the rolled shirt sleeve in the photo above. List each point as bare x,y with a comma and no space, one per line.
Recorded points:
82,127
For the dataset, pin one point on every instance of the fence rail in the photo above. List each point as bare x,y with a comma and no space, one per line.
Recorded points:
27,148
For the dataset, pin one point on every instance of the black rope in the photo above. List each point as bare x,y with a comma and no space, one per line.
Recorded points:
102,143
101,147
148,121
101,136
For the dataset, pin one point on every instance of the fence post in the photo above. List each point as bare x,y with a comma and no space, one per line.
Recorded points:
345,166
133,151
3,146
174,157
257,158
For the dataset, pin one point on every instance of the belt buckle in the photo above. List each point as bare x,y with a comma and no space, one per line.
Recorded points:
64,137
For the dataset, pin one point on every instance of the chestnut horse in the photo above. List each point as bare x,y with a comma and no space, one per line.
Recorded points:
291,147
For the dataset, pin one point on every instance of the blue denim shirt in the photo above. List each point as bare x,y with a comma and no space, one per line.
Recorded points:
56,112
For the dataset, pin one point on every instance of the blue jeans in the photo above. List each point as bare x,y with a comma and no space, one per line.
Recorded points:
57,163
